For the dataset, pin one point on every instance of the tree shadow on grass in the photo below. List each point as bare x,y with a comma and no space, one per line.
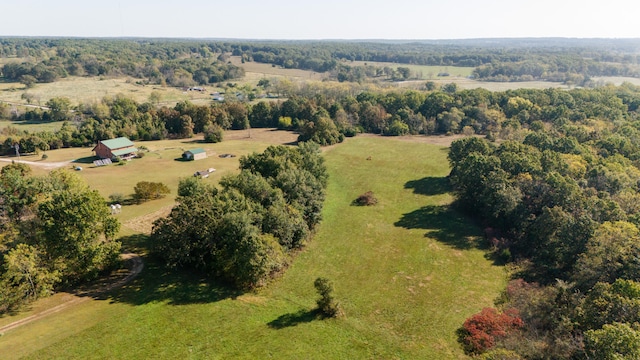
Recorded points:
445,225
85,160
293,319
429,185
157,283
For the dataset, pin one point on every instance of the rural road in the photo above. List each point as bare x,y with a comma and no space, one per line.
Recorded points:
136,266
44,165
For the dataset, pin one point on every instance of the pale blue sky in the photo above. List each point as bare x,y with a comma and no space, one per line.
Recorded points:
326,19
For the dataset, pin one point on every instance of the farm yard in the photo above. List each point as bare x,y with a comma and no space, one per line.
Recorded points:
407,272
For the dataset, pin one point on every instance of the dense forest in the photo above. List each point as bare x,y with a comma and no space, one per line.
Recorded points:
190,62
174,63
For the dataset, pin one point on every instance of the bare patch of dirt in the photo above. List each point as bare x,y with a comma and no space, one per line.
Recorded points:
273,136
44,165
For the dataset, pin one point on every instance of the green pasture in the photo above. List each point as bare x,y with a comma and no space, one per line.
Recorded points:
427,72
32,126
407,272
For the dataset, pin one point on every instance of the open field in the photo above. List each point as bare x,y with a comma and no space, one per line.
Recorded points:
32,126
407,272
427,72
465,83
94,89
616,80
254,71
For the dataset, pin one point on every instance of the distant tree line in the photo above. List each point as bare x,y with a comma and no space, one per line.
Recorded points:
157,62
327,117
244,233
497,60
190,62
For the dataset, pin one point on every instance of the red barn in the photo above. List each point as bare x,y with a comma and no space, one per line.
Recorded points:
118,148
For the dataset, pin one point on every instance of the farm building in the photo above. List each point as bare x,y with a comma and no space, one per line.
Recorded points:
118,148
204,173
194,154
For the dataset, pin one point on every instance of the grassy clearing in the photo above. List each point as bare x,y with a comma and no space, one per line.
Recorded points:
426,72
407,272
94,89
616,80
254,71
465,83
32,126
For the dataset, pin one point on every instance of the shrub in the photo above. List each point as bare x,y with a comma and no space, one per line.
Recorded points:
45,156
116,198
366,199
213,133
480,331
284,122
145,190
139,154
326,303
350,132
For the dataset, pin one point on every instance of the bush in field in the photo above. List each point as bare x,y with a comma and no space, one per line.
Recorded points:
327,305
116,198
146,190
213,133
366,199
480,332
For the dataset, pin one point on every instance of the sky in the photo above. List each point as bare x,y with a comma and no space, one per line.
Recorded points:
322,19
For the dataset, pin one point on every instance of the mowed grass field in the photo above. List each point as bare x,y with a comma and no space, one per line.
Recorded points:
407,272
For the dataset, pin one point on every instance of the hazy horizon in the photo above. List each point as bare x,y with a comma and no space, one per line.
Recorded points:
330,20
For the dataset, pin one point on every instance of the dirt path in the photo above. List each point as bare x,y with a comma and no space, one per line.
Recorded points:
135,267
44,165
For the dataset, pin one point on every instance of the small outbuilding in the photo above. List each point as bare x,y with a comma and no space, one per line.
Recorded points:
118,148
204,173
194,154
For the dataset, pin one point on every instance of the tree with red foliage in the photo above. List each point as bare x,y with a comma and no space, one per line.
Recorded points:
480,332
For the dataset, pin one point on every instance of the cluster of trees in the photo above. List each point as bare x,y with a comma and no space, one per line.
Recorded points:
243,233
560,201
54,231
121,116
327,116
175,63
